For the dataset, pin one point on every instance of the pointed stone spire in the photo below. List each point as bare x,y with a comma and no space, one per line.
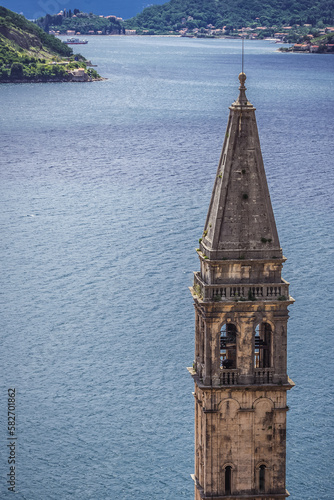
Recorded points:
240,223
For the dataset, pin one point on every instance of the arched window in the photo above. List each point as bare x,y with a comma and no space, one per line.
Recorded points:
228,479
262,348
262,478
228,346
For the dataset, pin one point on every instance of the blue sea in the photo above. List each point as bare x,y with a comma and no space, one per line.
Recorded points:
104,192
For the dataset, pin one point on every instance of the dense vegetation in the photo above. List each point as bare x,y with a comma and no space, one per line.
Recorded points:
233,14
10,20
27,53
82,22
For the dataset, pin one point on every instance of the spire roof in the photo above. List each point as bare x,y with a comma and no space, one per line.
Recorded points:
240,221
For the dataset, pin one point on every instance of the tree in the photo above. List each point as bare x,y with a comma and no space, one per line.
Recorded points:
4,73
191,25
228,29
16,71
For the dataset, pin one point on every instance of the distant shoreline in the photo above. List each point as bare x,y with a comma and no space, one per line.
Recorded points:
52,80
137,35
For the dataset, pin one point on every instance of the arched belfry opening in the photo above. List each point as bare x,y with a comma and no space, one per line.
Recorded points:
262,346
241,305
228,346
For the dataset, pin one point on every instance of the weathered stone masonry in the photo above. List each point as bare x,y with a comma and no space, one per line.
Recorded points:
241,314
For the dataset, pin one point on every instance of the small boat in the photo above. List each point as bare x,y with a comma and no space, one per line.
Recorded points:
75,41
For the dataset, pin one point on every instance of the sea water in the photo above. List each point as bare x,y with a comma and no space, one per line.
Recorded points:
104,193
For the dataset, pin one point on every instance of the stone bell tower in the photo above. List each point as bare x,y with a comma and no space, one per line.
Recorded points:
241,314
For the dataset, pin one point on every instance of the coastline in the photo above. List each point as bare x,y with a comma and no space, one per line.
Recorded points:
53,80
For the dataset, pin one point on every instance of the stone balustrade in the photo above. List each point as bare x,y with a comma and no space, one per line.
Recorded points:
263,375
228,377
268,291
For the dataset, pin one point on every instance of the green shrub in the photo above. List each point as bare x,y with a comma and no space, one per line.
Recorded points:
16,71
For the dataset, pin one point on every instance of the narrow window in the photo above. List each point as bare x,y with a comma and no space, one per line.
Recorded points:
228,479
228,346
262,478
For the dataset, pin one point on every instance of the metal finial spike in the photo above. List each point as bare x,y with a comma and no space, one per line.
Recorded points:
243,54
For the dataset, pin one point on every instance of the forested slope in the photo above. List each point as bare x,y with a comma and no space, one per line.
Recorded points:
237,13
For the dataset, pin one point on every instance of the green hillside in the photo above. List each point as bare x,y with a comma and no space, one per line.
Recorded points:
176,14
18,29
27,53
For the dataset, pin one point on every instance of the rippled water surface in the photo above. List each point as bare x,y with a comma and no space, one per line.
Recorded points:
104,193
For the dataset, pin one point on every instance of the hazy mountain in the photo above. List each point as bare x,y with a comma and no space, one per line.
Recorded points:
38,8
